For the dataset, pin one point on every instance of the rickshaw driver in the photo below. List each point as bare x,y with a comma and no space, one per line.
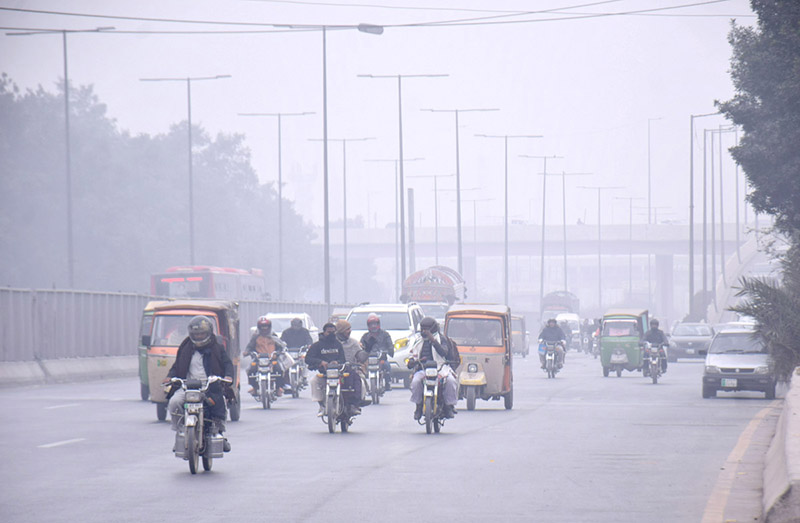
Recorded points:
441,349
656,338
200,356
553,333
378,342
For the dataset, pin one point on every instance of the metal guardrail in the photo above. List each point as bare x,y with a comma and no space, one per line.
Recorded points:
55,324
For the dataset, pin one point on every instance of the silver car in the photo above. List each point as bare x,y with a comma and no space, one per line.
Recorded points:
738,360
688,339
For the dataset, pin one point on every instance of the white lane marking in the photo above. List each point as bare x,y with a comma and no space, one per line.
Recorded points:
59,443
63,406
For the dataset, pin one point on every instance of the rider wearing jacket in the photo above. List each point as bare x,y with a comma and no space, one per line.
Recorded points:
378,342
434,346
553,333
327,350
657,338
264,341
296,336
199,356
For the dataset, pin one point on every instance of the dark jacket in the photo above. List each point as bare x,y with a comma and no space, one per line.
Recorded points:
296,338
655,336
327,349
552,334
378,343
216,362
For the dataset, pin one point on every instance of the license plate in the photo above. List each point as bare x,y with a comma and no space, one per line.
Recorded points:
729,382
619,358
689,351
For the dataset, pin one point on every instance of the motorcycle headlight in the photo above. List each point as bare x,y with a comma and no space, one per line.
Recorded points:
194,396
472,367
401,343
763,369
712,369
431,372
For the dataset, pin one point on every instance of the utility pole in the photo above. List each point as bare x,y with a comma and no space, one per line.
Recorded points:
599,189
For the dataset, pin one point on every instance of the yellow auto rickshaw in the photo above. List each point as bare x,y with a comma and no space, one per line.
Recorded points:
482,333
169,328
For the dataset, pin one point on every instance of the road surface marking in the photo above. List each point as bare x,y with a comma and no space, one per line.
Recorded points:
715,508
63,406
59,443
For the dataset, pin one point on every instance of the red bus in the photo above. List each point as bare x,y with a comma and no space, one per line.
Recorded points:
203,281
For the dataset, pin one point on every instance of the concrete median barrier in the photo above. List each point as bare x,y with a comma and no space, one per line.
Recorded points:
782,466
67,370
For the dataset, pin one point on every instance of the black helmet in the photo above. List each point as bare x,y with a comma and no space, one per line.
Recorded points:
654,323
200,331
429,324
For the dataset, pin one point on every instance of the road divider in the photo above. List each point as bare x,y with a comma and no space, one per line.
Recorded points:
782,465
18,373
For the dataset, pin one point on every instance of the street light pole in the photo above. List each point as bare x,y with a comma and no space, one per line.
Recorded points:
189,80
691,207
630,240
435,207
599,241
505,138
458,178
280,192
475,230
67,142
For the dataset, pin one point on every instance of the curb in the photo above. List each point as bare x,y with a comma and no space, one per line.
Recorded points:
781,498
41,372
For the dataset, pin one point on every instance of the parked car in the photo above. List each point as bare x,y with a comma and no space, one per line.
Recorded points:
738,360
400,320
688,339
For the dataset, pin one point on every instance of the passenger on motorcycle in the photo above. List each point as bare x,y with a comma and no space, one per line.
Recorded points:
656,338
296,336
352,349
437,347
327,351
378,342
553,333
265,342
199,356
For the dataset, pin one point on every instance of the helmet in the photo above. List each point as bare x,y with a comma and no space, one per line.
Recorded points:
654,323
429,324
297,323
264,324
200,331
373,322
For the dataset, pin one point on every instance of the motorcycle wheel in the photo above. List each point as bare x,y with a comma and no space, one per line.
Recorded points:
429,415
471,398
373,387
330,411
191,448
550,371
161,411
234,409
345,424
654,375
295,383
437,425
262,391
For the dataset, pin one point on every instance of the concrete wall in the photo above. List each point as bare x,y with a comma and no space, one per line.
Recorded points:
782,465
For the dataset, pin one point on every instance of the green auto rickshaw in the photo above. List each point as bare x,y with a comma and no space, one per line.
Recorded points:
620,340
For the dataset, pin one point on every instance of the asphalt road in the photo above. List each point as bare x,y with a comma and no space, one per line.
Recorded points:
579,447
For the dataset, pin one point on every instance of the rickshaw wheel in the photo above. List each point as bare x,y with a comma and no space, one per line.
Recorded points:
471,398
161,411
619,373
605,372
428,415
508,399
144,391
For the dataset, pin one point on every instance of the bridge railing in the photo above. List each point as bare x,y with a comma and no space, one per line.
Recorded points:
56,324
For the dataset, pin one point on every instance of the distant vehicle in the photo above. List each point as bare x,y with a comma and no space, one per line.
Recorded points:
574,323
283,320
435,310
401,321
520,337
688,339
203,281
738,360
434,284
339,313
557,302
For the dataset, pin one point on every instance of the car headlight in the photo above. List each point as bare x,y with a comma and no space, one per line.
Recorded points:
763,369
712,369
401,343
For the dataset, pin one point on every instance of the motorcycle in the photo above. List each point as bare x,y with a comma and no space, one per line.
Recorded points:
376,377
298,378
268,371
197,435
595,346
338,388
550,351
433,416
652,361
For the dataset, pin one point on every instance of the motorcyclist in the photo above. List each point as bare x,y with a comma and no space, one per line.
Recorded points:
199,356
553,333
378,342
355,355
433,345
296,336
656,338
327,351
264,341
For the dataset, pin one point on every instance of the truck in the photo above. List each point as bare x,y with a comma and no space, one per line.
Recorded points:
557,302
434,284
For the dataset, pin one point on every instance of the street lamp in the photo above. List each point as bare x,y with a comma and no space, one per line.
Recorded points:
435,207
630,240
67,144
458,177
544,193
344,198
564,212
505,138
280,192
654,211
400,138
189,80
599,189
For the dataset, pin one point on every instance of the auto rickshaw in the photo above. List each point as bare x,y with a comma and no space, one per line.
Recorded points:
482,333
169,328
620,340
144,330
519,336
